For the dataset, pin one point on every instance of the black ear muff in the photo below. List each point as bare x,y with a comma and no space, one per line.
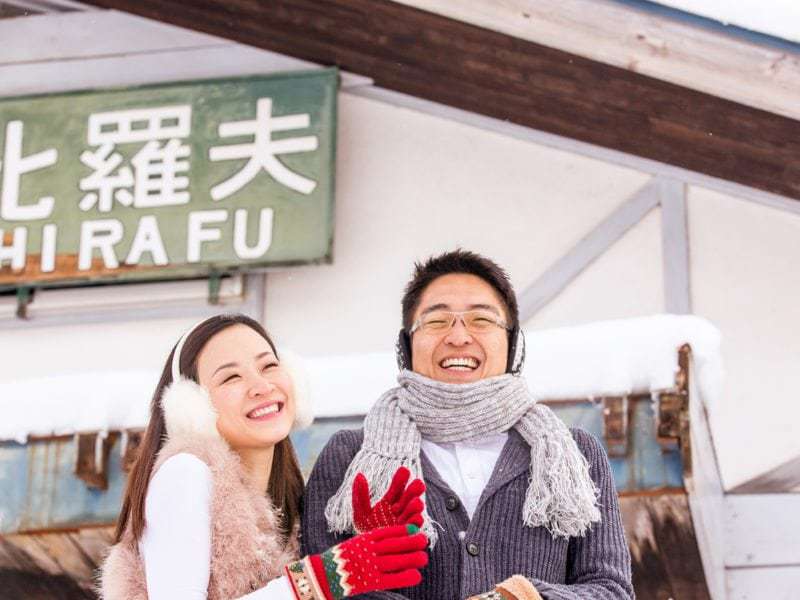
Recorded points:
516,351
403,350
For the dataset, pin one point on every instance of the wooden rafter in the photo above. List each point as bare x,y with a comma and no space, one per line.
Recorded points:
491,73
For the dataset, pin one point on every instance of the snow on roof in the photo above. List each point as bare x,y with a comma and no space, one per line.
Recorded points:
607,358
624,356
64,404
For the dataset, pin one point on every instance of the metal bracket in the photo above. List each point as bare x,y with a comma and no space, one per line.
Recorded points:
24,298
214,285
91,462
673,414
615,425
129,447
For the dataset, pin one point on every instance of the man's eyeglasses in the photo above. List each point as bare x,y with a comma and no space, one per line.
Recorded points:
475,321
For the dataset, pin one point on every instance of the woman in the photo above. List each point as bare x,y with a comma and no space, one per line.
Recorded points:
212,503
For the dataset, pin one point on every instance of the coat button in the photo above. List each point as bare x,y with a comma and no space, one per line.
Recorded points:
451,503
473,549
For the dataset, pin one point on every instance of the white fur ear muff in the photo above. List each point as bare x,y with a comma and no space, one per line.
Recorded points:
188,410
296,368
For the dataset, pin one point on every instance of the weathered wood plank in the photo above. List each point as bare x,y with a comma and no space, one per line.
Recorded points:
782,479
705,491
70,558
665,557
75,35
675,246
762,530
774,583
152,67
610,32
52,565
486,72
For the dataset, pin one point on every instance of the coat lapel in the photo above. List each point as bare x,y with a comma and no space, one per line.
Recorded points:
515,459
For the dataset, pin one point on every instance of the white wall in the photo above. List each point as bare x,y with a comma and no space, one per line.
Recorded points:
745,278
410,184
68,348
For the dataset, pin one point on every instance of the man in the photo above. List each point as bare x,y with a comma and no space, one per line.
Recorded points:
518,507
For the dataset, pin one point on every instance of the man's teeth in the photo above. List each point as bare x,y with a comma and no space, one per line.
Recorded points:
460,363
260,412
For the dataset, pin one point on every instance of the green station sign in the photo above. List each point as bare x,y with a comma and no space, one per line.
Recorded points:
167,181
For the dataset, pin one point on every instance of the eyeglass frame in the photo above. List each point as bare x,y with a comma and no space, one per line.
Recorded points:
458,315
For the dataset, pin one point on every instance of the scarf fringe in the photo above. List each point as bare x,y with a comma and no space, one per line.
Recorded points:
561,496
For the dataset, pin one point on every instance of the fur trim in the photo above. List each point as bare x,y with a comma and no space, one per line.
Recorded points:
188,410
296,368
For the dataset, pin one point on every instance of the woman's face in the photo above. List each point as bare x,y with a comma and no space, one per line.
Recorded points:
252,393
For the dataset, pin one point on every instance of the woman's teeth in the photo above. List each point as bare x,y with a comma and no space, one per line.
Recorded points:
460,364
266,410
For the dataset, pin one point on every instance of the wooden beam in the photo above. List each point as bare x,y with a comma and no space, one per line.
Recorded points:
550,284
665,558
618,34
675,246
494,74
782,479
762,530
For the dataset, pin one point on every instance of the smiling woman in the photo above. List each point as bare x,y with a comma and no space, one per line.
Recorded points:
212,504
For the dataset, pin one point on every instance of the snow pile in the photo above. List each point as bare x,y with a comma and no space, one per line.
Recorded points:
614,358
64,404
608,358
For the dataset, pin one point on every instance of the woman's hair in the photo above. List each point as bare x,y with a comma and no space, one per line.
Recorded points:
285,486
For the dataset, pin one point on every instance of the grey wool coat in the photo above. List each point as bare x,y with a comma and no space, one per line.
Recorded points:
471,556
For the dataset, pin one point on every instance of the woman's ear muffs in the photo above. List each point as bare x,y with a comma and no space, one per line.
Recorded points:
303,409
188,410
186,404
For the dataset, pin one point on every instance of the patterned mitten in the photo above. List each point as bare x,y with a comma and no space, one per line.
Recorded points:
383,559
400,505
516,587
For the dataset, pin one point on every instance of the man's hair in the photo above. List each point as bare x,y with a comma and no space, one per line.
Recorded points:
458,261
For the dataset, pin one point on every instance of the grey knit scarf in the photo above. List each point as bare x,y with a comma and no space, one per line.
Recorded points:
561,495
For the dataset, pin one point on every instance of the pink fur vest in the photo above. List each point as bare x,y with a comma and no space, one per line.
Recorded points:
247,550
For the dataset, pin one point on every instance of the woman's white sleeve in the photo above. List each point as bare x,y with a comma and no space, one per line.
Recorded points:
176,543
277,589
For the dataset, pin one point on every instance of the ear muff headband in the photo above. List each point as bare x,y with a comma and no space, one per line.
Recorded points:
176,356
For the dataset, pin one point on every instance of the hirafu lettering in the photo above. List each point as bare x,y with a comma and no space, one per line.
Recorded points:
156,176
203,227
105,236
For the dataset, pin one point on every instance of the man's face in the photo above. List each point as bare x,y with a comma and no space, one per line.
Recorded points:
457,355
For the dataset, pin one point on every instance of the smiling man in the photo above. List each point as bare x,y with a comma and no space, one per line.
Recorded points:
518,506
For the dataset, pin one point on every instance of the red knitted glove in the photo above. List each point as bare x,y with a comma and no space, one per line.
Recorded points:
400,505
383,559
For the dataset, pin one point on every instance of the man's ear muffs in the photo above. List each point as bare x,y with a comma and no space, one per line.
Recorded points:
403,350
516,351
514,361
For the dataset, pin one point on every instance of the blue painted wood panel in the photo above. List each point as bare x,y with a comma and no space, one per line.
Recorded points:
38,489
